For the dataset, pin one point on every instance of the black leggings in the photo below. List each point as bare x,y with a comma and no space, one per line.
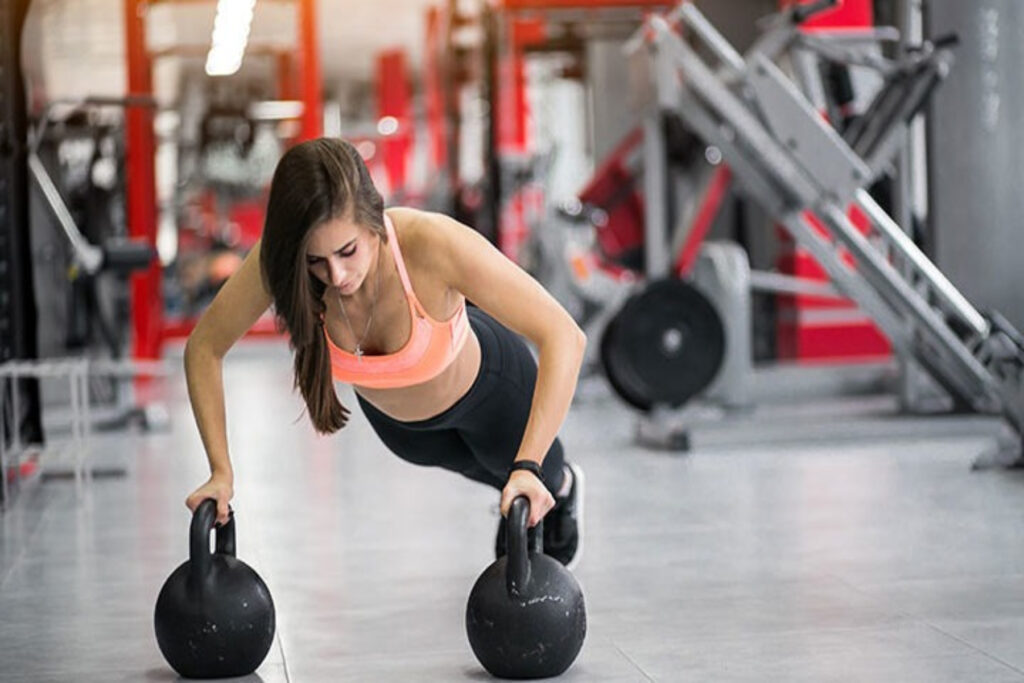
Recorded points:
479,436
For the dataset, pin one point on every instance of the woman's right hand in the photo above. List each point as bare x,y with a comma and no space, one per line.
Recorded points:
220,488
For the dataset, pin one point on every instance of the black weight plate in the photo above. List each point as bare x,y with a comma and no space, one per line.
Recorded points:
609,344
665,346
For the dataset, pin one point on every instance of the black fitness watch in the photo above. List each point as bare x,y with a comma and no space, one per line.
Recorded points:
529,466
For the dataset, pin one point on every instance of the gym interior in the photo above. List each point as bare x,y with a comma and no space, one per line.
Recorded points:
822,487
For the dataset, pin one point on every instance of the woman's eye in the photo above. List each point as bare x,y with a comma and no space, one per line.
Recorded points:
347,252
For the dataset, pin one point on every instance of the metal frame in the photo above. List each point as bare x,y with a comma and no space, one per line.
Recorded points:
740,108
76,371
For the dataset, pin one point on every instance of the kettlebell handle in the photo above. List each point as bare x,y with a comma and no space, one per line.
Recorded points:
200,558
517,570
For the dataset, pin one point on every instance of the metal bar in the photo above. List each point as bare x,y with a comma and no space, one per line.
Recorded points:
655,197
83,460
788,284
709,204
251,50
884,278
847,280
847,46
943,288
76,418
16,422
309,64
705,84
140,171
810,142
5,492
697,22
88,255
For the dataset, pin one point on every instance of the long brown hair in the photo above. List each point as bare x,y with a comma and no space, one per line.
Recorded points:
315,181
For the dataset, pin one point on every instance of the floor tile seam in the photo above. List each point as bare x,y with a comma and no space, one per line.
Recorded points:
975,648
284,656
23,550
632,662
921,620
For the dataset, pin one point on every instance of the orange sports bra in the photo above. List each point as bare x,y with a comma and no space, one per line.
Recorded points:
431,348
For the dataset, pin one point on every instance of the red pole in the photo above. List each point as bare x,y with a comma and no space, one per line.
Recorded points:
393,100
434,92
286,89
309,59
140,154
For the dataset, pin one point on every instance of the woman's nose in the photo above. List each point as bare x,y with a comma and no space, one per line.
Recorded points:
335,272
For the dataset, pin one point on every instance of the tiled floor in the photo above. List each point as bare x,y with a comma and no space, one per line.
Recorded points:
866,552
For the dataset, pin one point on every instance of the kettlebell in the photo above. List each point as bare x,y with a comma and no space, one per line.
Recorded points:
214,616
525,617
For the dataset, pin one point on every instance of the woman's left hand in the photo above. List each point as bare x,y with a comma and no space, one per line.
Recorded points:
525,483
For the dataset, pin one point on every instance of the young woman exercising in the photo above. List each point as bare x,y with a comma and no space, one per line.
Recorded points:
377,299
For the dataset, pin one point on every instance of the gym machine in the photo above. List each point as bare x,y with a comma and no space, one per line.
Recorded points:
605,244
115,256
810,178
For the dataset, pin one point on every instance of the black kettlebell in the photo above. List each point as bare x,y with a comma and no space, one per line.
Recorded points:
214,617
525,617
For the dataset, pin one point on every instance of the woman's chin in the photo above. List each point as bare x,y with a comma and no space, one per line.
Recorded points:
348,289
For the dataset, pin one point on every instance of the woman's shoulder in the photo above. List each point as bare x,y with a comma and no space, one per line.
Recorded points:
418,232
410,222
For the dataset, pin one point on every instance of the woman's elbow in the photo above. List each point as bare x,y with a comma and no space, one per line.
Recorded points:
198,348
581,339
576,337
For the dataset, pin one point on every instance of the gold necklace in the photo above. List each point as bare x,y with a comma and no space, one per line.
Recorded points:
369,320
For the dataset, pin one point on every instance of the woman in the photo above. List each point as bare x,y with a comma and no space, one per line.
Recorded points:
378,300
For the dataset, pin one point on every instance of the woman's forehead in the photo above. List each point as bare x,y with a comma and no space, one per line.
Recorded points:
333,234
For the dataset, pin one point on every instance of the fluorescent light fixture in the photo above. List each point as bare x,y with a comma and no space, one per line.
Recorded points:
230,36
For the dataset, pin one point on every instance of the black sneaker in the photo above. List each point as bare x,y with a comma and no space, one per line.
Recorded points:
563,525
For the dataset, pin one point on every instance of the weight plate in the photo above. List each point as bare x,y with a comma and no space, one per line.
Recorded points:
665,346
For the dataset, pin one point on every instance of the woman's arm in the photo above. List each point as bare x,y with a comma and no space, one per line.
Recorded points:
240,302
469,263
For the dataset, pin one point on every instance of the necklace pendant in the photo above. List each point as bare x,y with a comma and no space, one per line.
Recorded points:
359,353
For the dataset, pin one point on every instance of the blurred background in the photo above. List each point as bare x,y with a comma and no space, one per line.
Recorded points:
152,129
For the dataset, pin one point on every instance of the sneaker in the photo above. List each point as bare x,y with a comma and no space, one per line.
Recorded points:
563,525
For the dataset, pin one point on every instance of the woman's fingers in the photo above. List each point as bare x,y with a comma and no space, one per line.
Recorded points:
216,490
523,483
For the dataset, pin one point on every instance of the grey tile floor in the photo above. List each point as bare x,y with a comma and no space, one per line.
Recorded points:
874,554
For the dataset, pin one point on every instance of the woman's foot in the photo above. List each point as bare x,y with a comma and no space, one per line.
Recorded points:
563,525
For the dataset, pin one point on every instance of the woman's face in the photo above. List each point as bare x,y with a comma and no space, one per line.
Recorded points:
340,253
